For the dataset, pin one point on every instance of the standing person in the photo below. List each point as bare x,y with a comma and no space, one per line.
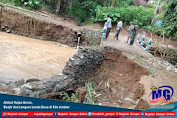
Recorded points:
143,39
133,34
119,27
104,31
109,26
129,31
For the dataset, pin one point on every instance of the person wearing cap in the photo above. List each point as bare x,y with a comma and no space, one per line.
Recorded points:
109,26
134,32
119,27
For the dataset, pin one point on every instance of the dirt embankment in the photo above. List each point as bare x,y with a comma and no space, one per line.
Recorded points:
28,26
118,81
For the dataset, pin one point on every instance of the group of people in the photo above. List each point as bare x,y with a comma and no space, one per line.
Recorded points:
132,31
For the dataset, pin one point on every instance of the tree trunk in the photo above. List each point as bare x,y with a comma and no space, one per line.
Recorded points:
113,3
105,3
58,7
64,4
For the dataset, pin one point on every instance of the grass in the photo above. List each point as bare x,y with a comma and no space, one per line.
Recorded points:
150,72
73,98
89,98
139,58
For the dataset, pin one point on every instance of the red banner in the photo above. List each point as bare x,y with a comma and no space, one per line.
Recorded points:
87,114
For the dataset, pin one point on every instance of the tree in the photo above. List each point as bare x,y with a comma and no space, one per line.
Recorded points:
170,20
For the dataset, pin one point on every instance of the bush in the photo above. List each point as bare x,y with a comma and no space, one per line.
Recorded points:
150,5
52,4
138,14
172,57
169,25
82,11
6,1
89,7
158,30
32,4
77,11
170,20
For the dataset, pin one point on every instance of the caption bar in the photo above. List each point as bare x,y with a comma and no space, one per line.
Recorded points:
87,114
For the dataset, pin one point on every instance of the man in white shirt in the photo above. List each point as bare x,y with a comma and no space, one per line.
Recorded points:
109,26
119,27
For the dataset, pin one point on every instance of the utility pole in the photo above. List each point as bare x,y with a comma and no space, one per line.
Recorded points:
155,11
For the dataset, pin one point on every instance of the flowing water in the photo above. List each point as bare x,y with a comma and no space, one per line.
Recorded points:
24,58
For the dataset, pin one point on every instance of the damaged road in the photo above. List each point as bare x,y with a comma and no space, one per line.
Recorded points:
117,79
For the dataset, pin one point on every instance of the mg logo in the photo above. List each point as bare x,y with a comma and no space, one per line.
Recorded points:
162,94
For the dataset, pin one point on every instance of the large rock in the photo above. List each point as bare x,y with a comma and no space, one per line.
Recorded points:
80,67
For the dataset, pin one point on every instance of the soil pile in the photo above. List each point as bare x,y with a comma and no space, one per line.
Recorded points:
118,81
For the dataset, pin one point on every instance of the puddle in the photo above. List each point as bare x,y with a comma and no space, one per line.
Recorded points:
24,58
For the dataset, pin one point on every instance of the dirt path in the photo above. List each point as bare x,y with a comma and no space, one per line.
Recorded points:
121,45
25,58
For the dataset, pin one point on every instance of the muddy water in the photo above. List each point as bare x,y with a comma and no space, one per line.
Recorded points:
23,57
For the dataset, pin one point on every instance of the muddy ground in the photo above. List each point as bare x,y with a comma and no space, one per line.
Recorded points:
117,82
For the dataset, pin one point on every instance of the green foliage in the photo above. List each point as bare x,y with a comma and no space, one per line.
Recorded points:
82,11
89,7
90,96
158,30
118,3
124,3
77,11
161,15
162,9
168,15
33,4
6,1
150,5
164,5
150,72
138,14
172,57
170,20
102,12
73,98
52,4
